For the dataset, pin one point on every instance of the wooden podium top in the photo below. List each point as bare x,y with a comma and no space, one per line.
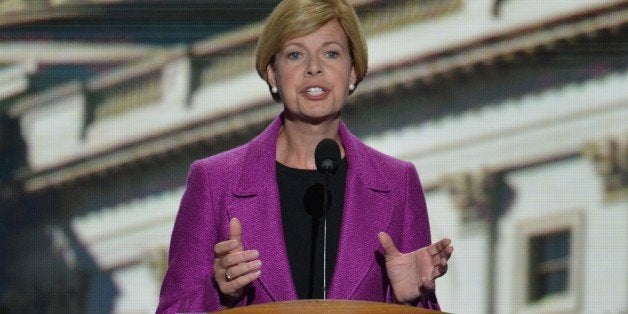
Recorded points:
328,306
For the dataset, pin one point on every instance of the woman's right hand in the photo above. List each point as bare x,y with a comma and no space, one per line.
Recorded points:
233,267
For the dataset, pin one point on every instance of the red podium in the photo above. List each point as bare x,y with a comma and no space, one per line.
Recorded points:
327,306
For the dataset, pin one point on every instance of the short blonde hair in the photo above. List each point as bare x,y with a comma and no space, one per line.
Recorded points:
294,18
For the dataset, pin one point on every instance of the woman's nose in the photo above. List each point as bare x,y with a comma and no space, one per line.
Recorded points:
314,67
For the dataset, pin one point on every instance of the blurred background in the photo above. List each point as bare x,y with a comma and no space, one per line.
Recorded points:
514,112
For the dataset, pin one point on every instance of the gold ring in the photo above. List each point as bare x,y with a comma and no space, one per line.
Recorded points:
227,276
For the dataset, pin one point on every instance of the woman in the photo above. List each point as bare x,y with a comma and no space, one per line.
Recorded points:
240,209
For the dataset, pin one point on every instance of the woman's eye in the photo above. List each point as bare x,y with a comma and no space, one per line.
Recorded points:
294,55
332,54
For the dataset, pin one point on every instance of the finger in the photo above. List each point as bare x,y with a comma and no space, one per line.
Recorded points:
436,259
235,231
242,281
387,244
235,286
427,284
236,258
446,253
244,268
223,248
440,269
437,247
443,255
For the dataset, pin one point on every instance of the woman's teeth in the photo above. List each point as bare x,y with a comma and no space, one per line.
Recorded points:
315,91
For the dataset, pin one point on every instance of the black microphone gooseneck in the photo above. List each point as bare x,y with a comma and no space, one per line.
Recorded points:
327,157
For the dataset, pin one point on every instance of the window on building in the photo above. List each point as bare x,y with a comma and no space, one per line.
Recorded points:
549,263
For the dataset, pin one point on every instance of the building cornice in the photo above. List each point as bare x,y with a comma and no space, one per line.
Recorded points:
147,149
491,49
513,134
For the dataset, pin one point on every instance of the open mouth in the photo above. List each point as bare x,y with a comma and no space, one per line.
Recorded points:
315,91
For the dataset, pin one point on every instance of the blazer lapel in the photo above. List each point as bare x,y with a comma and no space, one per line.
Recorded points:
255,202
365,214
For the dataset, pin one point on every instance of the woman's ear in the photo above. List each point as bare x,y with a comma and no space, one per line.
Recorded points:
352,77
271,76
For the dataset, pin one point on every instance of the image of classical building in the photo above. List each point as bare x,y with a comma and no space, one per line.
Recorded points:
515,114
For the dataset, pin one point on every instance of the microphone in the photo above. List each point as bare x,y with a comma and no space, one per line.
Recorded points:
327,158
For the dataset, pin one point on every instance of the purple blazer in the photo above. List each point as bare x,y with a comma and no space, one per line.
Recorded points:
382,194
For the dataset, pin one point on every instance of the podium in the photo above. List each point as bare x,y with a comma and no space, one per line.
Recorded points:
327,306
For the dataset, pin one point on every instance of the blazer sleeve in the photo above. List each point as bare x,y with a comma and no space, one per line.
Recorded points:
188,285
416,226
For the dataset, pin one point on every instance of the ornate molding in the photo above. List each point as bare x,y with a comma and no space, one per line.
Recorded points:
482,195
610,157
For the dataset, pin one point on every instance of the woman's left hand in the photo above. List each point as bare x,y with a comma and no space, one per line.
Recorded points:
413,274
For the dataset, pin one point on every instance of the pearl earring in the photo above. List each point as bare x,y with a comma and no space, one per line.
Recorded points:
274,90
351,87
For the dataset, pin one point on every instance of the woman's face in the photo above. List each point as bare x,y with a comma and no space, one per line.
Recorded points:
313,73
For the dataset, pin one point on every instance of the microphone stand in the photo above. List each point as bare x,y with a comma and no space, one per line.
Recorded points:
327,156
325,205
313,240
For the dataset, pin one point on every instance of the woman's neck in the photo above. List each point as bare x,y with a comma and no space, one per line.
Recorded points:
297,142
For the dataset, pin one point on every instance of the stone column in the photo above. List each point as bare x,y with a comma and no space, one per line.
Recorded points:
482,196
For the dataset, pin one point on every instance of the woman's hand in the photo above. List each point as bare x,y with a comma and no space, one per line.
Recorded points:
233,267
413,274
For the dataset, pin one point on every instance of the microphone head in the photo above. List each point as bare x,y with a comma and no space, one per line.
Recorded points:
327,156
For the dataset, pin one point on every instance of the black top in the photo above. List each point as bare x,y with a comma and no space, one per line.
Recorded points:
301,196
